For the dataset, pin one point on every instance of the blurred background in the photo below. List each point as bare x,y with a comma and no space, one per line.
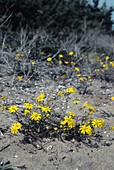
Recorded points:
58,17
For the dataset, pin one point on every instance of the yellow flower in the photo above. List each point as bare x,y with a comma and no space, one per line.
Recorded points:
69,121
78,75
73,63
41,97
63,76
19,55
112,63
41,53
90,112
16,127
48,99
46,109
60,93
85,129
91,108
70,90
77,69
39,106
13,109
107,58
35,116
106,66
60,62
55,128
97,70
71,53
86,105
98,123
81,79
32,62
89,130
28,105
49,59
76,101
26,112
112,98
47,115
112,128
19,78
64,121
71,114
89,77
60,56
3,98
100,61
66,62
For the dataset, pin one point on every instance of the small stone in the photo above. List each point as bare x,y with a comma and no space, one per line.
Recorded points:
39,147
73,140
16,156
71,150
107,143
50,159
49,147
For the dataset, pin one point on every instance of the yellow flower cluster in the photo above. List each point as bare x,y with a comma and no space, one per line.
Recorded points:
16,127
82,79
69,121
41,97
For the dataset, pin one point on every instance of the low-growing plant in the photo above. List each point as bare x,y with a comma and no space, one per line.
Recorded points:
51,117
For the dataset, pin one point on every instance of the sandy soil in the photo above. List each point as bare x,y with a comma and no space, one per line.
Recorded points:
55,154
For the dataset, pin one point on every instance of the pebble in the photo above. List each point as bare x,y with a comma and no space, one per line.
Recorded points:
107,143
49,147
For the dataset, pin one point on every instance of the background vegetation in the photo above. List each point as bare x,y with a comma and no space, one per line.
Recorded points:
55,22
58,17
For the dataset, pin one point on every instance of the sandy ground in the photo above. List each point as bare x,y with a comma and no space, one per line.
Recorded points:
61,155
